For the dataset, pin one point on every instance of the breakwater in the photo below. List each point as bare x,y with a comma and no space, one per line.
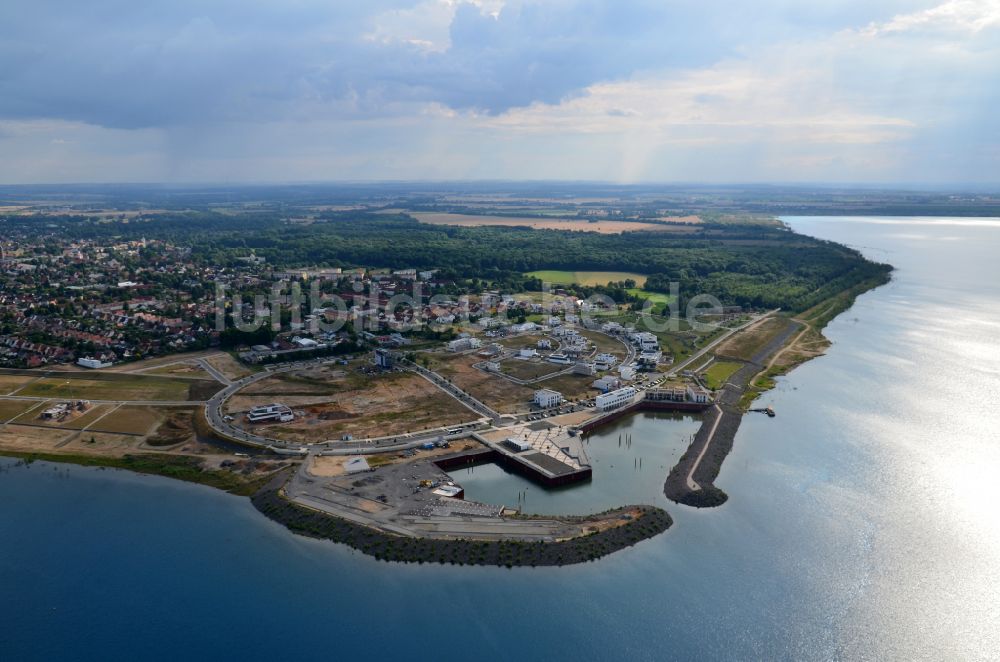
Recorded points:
607,533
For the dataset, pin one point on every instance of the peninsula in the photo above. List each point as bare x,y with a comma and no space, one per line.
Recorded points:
339,362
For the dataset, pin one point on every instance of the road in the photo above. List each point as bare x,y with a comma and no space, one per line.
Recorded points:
212,370
216,419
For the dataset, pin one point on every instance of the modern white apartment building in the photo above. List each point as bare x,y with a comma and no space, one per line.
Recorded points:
546,398
615,399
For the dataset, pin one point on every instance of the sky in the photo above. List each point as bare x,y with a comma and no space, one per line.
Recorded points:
231,91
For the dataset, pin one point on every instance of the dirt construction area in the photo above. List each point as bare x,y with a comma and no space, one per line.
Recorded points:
500,394
349,403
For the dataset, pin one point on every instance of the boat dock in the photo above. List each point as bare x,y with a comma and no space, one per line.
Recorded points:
542,452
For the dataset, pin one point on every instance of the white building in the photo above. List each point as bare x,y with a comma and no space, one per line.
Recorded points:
493,366
605,384
697,394
626,372
584,368
517,445
272,412
615,399
527,353
89,362
460,344
546,398
650,359
544,344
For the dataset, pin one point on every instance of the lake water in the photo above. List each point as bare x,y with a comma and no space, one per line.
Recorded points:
630,458
862,525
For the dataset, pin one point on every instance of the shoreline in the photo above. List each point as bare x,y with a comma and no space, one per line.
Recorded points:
632,524
690,481
702,461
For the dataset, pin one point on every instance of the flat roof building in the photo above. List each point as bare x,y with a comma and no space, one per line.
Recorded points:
546,398
615,399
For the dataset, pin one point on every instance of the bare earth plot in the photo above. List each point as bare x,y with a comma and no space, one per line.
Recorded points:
497,392
387,404
30,439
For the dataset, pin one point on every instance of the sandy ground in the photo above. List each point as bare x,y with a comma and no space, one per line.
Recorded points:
602,227
331,466
572,419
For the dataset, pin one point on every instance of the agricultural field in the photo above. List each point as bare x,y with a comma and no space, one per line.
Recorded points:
550,223
557,277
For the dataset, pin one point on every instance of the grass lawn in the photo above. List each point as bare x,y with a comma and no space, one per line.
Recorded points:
586,277
744,344
129,420
572,387
719,372
605,343
10,383
659,300
110,386
11,408
520,369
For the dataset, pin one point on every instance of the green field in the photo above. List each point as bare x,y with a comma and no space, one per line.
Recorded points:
110,386
658,299
719,372
587,277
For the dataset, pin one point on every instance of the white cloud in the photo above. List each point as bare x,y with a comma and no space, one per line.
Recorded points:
969,16
731,102
426,25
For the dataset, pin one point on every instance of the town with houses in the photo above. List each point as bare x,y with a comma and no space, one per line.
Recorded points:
337,369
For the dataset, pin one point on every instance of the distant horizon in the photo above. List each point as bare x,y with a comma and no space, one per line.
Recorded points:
976,187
